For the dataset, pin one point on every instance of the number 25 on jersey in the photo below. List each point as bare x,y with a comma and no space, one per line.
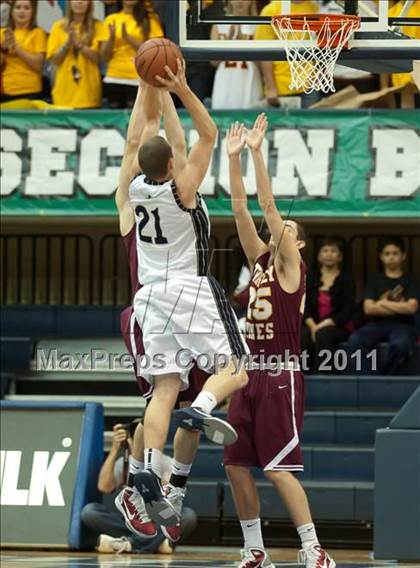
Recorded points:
259,307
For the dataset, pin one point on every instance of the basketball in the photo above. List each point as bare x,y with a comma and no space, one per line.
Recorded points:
152,57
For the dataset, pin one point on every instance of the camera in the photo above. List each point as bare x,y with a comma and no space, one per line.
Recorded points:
130,427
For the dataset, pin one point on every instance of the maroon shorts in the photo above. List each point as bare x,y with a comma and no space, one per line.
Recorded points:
133,340
268,416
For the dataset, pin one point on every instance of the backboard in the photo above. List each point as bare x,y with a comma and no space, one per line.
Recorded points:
388,40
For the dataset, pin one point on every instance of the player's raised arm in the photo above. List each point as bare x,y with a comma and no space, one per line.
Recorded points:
174,132
285,245
251,243
152,110
190,178
134,131
144,123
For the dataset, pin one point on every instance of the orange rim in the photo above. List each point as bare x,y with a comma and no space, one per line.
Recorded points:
316,21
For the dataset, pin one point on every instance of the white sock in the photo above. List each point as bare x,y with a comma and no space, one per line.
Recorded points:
179,468
206,401
251,530
135,466
307,535
153,461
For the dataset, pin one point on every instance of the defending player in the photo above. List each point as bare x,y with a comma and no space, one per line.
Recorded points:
179,308
268,413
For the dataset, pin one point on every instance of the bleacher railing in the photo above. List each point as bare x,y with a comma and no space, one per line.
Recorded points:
46,269
82,270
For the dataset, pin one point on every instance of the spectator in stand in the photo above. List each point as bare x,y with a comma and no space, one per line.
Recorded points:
329,303
400,79
160,7
134,23
276,74
200,74
391,300
73,47
237,84
363,81
106,524
23,46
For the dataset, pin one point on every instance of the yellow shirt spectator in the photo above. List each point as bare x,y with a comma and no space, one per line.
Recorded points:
121,63
18,78
400,79
281,71
77,81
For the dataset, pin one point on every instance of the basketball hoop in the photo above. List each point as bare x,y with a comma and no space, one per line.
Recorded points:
313,43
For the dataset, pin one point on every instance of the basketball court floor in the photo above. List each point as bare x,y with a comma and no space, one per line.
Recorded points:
185,557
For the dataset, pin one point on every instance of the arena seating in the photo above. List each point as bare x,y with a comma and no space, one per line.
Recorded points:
35,322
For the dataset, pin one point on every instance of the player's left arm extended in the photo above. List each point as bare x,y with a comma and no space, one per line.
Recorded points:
135,128
251,243
174,132
284,243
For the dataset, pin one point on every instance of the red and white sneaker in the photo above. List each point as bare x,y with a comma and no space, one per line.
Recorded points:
131,505
255,558
315,557
175,496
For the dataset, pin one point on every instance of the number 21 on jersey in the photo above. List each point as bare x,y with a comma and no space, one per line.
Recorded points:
144,217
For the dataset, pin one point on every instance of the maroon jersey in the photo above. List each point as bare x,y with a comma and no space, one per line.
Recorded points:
129,241
268,412
274,316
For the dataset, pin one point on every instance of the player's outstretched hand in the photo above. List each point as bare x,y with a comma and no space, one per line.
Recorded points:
174,83
235,139
255,136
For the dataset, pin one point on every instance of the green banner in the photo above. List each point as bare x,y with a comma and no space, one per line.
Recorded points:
332,163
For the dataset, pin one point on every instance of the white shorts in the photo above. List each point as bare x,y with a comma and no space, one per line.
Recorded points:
186,320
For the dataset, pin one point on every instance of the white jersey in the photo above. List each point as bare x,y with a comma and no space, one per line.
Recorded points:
171,240
237,84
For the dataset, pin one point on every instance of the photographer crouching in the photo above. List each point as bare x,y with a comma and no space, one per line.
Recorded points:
105,523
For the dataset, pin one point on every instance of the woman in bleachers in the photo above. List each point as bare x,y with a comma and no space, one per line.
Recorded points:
329,304
23,47
237,84
73,47
134,23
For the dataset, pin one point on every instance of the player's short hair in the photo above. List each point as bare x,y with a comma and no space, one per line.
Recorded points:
396,241
301,233
154,156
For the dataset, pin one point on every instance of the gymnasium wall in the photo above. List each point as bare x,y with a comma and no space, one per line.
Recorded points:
70,261
348,173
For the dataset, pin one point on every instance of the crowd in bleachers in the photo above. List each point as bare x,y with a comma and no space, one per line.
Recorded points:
84,62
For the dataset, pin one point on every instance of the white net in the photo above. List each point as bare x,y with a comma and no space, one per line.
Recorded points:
311,54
